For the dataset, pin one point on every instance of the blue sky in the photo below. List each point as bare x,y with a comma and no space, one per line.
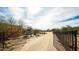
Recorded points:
5,11
72,18
44,17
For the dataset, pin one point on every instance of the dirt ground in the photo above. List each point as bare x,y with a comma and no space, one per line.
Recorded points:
41,43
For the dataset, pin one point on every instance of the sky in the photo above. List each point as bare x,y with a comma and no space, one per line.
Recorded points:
43,17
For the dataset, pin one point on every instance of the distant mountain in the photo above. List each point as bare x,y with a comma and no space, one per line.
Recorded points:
74,28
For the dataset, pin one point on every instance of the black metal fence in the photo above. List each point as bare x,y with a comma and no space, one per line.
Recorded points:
65,40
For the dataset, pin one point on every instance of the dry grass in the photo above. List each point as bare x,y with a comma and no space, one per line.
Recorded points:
13,44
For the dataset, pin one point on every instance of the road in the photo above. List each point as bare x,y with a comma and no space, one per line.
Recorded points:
41,43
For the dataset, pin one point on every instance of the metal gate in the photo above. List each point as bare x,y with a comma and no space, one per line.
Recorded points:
65,40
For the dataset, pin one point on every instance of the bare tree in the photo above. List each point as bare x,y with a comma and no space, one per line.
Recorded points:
3,28
21,23
2,19
29,31
11,21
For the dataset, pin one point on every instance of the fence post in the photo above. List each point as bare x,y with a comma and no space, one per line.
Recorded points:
72,40
75,40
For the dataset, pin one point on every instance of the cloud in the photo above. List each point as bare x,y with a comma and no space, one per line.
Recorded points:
46,17
53,17
32,11
5,11
18,12
46,21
